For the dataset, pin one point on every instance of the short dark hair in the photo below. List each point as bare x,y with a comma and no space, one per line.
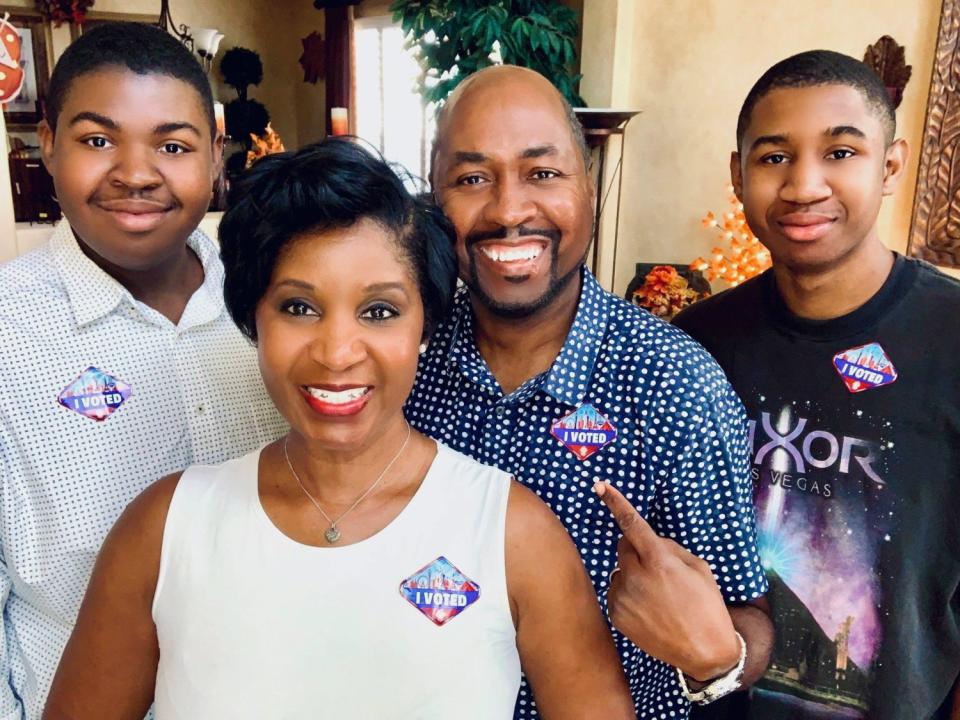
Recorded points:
138,47
822,67
334,183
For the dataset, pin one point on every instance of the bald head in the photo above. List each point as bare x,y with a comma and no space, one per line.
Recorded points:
510,171
499,85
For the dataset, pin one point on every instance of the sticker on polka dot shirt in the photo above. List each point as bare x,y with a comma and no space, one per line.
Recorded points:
440,591
584,431
864,368
94,394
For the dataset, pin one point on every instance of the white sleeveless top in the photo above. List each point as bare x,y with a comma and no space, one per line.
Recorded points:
252,624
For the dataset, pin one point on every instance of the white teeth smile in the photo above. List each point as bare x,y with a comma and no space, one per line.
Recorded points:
526,252
338,398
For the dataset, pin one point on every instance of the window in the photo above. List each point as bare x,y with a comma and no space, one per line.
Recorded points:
390,115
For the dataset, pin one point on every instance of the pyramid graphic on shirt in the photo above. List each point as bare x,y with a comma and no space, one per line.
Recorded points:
809,663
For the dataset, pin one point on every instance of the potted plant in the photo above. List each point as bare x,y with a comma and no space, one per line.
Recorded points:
454,38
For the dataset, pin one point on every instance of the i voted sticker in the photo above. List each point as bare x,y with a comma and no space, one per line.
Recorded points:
584,431
864,368
440,591
94,394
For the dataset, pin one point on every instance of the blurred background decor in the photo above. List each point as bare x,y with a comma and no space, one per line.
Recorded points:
61,11
738,255
935,230
246,119
665,290
888,60
454,38
26,108
264,145
312,58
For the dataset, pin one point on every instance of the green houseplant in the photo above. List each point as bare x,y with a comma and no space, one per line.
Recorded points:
454,38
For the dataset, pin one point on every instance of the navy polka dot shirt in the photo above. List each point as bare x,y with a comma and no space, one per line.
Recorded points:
674,442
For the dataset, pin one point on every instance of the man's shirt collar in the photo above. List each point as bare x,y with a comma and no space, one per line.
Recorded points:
93,294
577,356
464,355
579,352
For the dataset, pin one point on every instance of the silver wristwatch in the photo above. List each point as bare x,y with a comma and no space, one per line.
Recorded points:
718,687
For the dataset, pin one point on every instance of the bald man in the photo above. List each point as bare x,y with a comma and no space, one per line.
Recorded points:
542,373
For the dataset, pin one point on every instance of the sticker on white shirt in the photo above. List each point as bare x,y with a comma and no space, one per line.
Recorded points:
94,394
440,591
864,368
584,431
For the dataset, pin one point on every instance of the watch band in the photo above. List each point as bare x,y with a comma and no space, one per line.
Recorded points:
718,687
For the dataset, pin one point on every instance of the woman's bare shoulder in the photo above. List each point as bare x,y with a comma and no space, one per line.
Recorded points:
138,533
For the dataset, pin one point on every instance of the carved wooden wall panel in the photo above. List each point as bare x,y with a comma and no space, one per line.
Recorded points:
935,230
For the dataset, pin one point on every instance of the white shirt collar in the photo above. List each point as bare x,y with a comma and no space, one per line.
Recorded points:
94,294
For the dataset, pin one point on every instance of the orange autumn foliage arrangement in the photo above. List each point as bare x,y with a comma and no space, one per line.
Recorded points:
664,292
742,258
264,145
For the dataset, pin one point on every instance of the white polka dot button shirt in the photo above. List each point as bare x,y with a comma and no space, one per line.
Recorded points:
680,451
101,396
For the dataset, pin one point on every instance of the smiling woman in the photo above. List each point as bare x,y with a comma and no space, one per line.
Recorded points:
338,354
370,549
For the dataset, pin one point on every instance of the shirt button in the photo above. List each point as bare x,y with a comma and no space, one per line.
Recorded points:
500,410
201,409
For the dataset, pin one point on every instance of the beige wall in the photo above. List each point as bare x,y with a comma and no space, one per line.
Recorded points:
688,66
273,28
298,108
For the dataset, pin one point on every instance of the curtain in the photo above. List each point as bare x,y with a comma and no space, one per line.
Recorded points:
339,61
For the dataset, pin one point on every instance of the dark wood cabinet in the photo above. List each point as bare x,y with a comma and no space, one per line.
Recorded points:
33,193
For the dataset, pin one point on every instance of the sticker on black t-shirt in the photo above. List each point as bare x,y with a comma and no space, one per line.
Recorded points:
865,367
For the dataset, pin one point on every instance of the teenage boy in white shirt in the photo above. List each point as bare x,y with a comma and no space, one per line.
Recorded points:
120,360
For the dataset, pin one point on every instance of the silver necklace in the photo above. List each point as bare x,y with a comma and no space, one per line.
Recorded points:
332,533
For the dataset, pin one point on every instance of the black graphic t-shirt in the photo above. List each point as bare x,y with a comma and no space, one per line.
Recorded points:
855,433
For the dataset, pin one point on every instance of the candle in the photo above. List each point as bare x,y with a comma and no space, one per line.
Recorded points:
219,118
339,124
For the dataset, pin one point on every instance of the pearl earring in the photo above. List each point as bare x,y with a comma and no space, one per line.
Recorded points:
423,348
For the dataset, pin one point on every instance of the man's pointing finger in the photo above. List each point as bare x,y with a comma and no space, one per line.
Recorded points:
634,528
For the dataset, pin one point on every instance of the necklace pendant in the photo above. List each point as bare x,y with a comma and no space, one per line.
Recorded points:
332,534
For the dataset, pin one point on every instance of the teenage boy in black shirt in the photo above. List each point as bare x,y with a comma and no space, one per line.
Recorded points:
846,357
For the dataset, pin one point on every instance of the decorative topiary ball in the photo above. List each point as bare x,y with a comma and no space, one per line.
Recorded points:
241,68
244,117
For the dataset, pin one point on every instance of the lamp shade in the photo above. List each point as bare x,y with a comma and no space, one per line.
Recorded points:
206,41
